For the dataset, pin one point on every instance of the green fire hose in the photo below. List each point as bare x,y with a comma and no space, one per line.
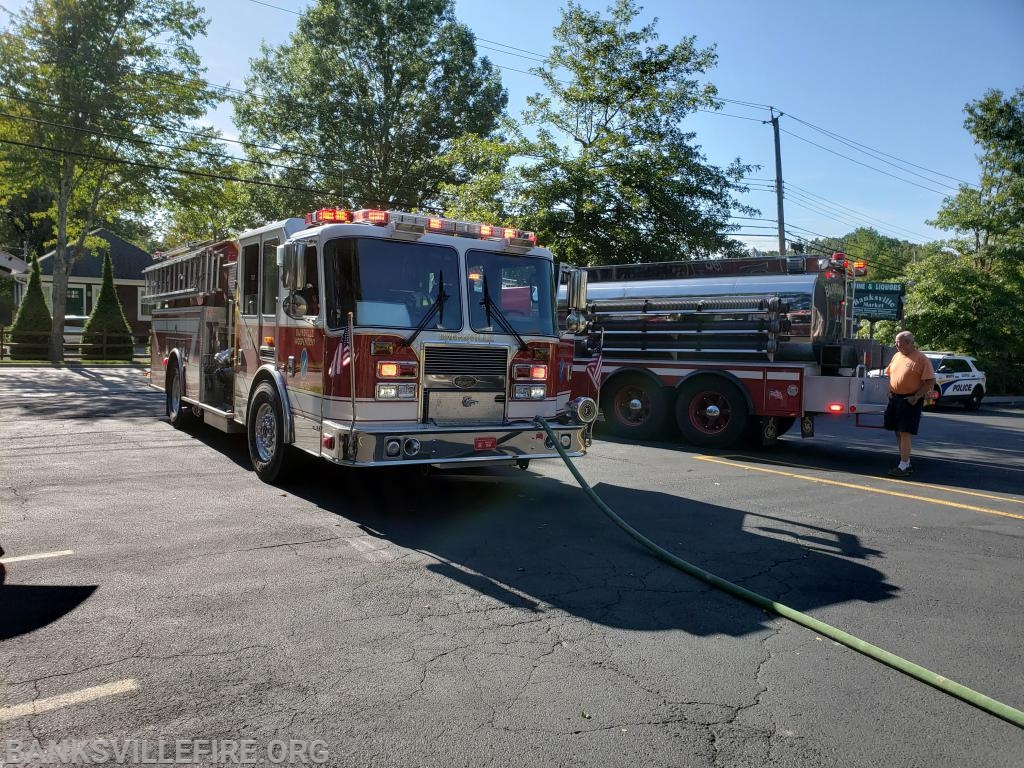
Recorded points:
944,684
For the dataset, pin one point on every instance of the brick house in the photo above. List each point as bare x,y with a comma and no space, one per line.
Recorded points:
86,277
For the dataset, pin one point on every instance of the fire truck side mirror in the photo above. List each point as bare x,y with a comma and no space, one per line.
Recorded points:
577,301
291,261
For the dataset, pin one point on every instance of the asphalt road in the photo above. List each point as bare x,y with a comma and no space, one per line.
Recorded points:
495,617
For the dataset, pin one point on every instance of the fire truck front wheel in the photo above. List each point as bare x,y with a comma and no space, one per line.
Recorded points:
266,429
634,406
178,412
711,413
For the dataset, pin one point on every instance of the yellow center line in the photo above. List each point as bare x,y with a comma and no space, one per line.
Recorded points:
841,484
946,488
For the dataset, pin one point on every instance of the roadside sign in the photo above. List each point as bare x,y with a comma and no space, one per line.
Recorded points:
879,301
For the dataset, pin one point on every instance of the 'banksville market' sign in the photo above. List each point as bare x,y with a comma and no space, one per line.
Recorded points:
879,301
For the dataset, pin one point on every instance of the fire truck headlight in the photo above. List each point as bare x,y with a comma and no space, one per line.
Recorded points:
528,392
392,448
396,391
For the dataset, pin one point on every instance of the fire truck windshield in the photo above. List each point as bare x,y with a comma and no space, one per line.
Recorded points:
521,287
389,283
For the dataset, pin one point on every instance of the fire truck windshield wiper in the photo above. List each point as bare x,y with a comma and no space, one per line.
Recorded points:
489,306
437,308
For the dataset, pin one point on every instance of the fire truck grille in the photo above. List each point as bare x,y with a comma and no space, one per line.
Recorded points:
465,361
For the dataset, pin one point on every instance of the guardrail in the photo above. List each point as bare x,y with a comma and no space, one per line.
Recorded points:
73,350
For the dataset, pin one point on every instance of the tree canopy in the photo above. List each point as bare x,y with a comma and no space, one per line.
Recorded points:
610,175
362,103
99,96
970,295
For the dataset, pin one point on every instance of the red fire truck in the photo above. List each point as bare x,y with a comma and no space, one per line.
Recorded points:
369,338
732,350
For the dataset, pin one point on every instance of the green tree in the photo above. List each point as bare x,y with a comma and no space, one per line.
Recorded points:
98,96
107,335
362,103
6,300
610,175
968,298
33,321
24,220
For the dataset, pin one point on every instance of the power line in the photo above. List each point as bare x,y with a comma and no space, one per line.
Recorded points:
869,150
157,167
728,114
859,213
858,162
345,175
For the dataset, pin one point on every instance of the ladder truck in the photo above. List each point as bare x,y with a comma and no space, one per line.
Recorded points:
368,338
730,350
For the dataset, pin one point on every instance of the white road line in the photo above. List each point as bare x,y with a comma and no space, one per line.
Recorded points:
372,548
39,556
67,699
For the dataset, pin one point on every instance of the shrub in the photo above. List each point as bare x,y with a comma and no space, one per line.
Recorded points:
107,335
30,334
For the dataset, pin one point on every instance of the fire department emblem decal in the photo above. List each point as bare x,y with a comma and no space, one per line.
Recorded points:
792,390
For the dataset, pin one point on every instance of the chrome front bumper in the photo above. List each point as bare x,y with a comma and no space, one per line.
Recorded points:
373,444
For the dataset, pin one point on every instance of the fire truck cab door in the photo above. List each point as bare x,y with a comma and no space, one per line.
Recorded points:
257,329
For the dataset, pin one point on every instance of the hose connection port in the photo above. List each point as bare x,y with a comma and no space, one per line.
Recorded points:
583,409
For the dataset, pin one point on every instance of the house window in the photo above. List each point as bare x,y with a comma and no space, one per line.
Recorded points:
75,304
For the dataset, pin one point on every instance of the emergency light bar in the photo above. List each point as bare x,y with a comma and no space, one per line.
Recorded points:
328,216
412,222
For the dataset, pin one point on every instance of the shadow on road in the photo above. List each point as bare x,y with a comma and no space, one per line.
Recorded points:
528,541
92,393
27,607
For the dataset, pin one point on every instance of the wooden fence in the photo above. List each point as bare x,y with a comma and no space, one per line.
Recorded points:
74,347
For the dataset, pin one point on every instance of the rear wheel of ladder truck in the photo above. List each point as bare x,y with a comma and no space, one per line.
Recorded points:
179,413
711,412
634,406
266,430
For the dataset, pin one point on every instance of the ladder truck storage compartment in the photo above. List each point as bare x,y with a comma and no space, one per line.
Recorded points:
730,351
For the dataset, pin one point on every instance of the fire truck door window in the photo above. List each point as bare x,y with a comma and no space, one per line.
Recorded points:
388,283
269,283
250,279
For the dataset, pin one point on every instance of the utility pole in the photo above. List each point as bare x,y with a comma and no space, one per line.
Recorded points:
778,182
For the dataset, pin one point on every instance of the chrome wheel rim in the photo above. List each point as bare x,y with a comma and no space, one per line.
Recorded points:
710,412
265,432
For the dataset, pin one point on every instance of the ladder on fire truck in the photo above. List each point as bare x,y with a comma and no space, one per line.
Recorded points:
185,273
849,323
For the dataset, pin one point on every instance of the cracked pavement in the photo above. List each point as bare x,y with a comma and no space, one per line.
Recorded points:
487,618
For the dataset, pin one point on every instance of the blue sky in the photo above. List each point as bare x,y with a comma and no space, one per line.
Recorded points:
892,76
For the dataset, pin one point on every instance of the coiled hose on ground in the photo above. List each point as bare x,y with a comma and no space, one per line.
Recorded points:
944,684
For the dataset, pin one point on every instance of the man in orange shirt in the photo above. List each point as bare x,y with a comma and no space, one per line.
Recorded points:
911,377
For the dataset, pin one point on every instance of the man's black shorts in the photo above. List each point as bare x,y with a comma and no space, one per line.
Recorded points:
901,416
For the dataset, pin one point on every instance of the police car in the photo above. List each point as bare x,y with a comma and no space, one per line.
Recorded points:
957,379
